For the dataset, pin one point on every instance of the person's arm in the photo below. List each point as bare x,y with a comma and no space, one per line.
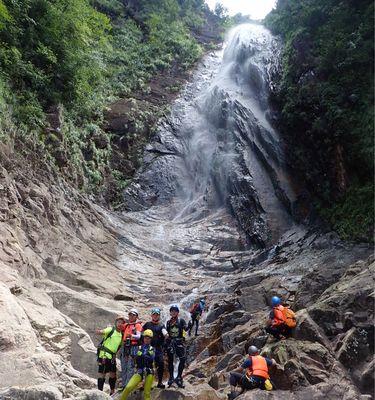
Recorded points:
245,365
270,362
103,331
138,332
270,318
164,332
184,328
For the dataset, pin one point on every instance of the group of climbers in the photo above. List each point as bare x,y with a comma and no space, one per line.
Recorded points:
254,371
141,348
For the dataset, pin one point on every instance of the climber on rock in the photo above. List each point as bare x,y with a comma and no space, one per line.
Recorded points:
107,349
131,338
144,361
196,311
159,335
281,320
175,345
253,374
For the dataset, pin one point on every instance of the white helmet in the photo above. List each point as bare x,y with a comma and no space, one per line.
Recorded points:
134,311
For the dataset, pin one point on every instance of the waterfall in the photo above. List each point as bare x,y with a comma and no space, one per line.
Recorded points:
218,147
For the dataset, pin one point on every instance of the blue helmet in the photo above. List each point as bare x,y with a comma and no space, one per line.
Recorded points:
275,301
156,310
174,307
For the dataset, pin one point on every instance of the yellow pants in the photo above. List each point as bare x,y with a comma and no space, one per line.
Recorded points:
135,380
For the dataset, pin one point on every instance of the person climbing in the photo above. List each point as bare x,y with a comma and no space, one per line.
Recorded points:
252,374
107,350
281,320
131,339
160,334
144,363
175,345
196,311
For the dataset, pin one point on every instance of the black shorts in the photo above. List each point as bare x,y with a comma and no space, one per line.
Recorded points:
106,365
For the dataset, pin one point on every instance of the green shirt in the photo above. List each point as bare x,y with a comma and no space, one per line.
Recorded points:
112,343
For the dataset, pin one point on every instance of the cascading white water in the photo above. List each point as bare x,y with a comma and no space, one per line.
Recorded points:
218,147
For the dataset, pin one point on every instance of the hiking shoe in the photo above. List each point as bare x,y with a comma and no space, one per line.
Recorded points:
170,382
179,382
160,385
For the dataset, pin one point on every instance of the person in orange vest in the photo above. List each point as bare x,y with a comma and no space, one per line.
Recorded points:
131,331
276,325
253,374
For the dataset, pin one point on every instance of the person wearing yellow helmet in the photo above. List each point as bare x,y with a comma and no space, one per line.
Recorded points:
144,362
160,334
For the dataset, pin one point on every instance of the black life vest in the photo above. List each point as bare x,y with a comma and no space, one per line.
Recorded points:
176,330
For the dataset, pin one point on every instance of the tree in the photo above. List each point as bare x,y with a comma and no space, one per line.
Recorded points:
221,11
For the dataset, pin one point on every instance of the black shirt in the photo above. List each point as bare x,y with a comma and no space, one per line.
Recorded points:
158,338
177,329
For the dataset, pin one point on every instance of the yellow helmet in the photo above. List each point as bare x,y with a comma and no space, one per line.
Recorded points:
149,333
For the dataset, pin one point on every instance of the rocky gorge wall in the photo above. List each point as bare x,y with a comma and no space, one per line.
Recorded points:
69,266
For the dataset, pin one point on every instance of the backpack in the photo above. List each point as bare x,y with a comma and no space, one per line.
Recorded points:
195,308
100,345
290,317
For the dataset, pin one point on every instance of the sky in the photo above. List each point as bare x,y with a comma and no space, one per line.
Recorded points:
257,9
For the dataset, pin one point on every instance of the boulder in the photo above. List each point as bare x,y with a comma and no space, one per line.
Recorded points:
308,329
92,395
303,363
43,392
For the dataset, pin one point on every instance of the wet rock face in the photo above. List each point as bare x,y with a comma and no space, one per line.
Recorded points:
218,149
346,313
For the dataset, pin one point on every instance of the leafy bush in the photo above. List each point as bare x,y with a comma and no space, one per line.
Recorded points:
326,94
78,56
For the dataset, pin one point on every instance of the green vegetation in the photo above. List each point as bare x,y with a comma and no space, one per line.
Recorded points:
62,62
326,96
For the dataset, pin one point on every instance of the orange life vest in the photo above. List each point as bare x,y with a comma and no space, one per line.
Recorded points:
278,316
128,330
258,367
